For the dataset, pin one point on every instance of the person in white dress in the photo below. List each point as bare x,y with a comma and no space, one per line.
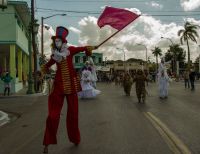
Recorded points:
93,72
88,90
163,80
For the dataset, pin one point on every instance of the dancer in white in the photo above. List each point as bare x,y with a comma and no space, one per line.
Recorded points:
87,90
93,72
163,80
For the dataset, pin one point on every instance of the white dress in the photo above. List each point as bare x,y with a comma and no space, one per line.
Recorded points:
88,90
163,86
93,73
163,81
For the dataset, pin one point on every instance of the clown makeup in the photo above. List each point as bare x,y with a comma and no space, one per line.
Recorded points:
58,43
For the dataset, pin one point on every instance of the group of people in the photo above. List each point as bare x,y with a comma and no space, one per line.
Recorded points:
67,84
140,79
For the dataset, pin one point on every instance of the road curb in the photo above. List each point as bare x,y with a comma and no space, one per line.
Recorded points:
25,95
3,118
175,144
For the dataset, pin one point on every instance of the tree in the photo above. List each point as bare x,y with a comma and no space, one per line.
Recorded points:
175,53
157,52
188,33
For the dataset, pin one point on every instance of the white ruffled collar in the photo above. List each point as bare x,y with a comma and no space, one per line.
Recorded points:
58,56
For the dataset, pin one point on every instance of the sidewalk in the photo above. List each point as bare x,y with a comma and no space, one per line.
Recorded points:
23,92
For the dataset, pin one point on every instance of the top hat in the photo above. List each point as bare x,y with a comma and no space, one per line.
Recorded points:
61,32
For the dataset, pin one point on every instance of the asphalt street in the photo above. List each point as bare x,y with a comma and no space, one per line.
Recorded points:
110,124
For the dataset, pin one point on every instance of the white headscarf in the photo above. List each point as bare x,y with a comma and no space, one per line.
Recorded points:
162,68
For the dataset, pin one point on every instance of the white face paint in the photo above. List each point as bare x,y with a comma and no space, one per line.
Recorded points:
58,43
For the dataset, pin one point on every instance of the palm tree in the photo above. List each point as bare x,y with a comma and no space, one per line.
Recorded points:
175,53
157,52
188,33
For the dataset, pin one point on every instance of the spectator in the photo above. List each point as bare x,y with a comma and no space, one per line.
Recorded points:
186,79
192,79
7,83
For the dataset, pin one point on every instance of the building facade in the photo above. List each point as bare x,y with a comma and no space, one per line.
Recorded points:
129,65
80,59
14,53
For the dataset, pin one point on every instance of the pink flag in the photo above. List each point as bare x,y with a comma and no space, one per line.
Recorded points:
116,18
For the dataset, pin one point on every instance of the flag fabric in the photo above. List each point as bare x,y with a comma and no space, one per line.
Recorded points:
116,18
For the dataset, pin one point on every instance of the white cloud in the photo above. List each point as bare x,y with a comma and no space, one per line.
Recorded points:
189,5
145,30
75,30
154,4
47,34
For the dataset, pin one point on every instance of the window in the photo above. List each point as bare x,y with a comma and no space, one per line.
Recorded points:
77,59
100,60
93,58
84,59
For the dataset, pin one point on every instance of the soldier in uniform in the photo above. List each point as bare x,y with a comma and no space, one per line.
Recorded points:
139,80
127,83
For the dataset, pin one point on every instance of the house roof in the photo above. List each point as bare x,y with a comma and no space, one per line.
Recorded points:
22,10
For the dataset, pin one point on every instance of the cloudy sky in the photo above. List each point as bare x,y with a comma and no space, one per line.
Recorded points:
160,18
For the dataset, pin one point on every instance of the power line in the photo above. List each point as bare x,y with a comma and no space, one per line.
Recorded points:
195,13
98,13
72,11
144,11
92,1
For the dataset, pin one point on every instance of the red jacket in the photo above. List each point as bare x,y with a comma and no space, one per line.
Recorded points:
66,80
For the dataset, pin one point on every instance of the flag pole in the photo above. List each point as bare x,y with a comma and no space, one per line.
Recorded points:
114,33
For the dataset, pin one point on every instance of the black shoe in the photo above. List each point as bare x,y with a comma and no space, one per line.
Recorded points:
76,144
45,149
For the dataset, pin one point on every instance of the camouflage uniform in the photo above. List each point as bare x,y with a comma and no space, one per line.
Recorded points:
127,83
139,80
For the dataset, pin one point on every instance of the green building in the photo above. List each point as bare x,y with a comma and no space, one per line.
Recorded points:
14,43
80,59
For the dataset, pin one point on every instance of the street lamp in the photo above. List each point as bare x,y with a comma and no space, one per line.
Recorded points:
30,78
168,39
3,4
145,54
42,32
199,59
174,57
32,26
124,58
105,61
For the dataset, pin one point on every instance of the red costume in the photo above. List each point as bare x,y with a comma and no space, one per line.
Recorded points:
66,84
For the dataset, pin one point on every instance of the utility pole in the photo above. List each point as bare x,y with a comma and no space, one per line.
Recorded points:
146,66
199,58
42,39
174,70
42,30
33,42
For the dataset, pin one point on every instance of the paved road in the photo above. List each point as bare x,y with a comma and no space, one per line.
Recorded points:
112,123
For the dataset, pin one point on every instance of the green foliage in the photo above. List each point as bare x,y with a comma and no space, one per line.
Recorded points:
157,52
188,33
175,51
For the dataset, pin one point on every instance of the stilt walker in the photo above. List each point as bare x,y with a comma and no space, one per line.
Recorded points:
66,84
